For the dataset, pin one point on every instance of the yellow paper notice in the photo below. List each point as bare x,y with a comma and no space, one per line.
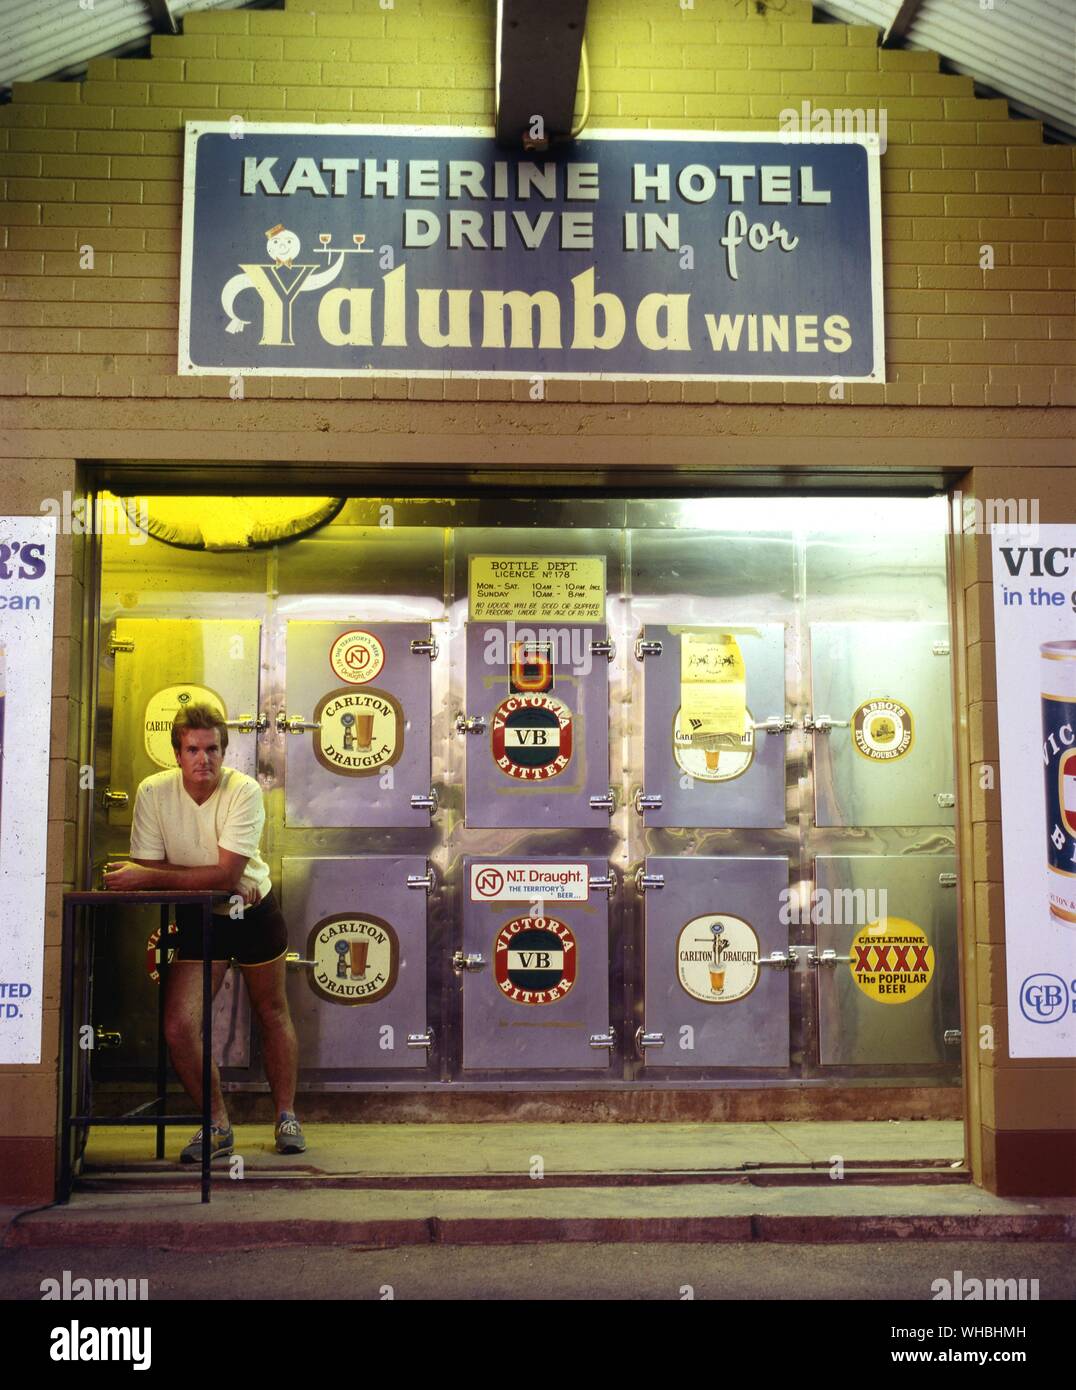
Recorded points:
549,588
713,688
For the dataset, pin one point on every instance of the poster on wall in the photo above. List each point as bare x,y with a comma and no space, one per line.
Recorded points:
1035,632
350,250
27,587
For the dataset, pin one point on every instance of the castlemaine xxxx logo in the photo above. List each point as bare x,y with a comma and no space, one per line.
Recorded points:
359,731
882,730
356,656
534,960
892,960
356,958
532,737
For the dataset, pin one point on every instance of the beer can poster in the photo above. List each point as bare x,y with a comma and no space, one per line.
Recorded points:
1035,632
27,588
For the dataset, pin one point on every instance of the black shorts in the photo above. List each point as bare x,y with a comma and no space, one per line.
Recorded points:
259,936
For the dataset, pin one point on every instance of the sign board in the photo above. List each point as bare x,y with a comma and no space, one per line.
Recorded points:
544,589
630,255
502,881
1035,632
27,590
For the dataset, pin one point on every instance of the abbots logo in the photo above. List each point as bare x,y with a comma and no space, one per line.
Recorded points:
532,736
882,730
534,960
1045,998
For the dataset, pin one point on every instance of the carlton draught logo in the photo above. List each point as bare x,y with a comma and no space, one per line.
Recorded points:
356,958
356,657
163,707
359,731
892,960
882,730
532,737
717,958
534,960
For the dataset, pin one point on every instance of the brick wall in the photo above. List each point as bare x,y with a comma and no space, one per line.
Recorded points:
99,164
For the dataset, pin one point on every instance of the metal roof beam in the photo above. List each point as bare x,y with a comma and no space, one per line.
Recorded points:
901,21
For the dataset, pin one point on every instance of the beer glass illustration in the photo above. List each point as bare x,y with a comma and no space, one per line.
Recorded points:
1058,687
360,951
364,730
718,965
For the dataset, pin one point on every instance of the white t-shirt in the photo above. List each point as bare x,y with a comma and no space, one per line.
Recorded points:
169,824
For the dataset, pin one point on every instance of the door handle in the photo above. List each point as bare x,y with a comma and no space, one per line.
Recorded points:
607,1039
474,961
823,723
779,960
294,723
248,723
828,960
470,724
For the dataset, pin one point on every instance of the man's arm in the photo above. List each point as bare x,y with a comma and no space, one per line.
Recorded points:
142,874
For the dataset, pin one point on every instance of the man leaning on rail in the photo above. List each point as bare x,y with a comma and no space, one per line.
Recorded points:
198,826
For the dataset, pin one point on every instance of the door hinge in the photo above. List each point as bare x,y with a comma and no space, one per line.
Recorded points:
940,648
647,802
603,646
472,961
951,1037
828,959
419,802
947,880
605,802
425,881
111,798
119,644
248,723
644,882
424,646
643,1039
945,799
646,646
607,1039
420,1039
605,883
470,724
293,723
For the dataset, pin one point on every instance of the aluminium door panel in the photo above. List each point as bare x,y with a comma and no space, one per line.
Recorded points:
543,748
892,991
365,930
889,760
542,991
162,664
739,783
707,928
368,693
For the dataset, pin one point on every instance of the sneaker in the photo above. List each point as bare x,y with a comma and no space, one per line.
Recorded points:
289,1136
222,1143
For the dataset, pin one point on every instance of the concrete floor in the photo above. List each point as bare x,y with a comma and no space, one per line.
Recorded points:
424,1150
758,1272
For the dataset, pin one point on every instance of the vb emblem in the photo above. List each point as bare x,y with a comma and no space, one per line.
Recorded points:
532,737
534,960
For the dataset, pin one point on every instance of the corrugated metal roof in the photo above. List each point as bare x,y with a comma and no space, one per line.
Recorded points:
1025,50
57,38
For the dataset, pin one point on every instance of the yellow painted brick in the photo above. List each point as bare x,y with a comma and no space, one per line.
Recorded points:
1008,181
47,93
1012,229
42,141
655,104
1014,326
896,180
1059,229
945,228
72,165
960,157
649,55
682,81
242,46
163,142
120,142
139,215
126,166
941,84
989,354
185,94
116,93
445,75
162,191
25,115
915,301
1030,302
803,86
1062,325
977,205
41,190
283,74
242,100
238,22
912,157
717,106
132,264
1059,181
1010,132
26,165
942,180
1006,277
80,117
182,46
108,191
781,59
891,84
845,60
950,326
215,70
1042,205
328,98
332,26
684,30
815,35
746,83
151,118
150,70
354,75
374,50
753,32
906,59
951,277
1062,277
945,132
916,205
319,50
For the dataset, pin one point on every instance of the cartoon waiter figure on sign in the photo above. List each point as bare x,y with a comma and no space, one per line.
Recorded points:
279,283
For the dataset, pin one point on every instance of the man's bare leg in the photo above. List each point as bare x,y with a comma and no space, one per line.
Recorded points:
183,1030
269,1000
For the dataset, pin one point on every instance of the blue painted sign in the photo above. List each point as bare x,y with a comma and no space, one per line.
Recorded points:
352,250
